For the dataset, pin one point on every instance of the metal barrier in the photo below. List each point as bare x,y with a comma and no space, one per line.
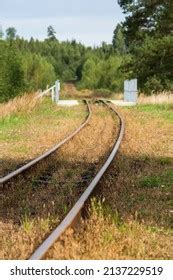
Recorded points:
54,90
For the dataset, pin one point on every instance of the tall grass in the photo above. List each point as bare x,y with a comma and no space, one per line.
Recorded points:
161,98
24,103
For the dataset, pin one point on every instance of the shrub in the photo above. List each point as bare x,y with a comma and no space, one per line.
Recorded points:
153,85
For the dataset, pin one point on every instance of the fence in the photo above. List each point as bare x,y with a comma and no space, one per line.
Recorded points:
54,90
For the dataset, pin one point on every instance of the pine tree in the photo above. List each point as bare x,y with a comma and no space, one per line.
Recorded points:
51,33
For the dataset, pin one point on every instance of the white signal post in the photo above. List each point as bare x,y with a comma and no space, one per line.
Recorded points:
57,91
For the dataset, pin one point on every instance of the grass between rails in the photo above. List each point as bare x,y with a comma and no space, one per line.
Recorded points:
33,206
134,219
26,134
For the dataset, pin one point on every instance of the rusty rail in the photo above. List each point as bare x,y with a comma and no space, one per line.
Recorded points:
75,211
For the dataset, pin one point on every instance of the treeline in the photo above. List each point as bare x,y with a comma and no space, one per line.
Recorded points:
31,65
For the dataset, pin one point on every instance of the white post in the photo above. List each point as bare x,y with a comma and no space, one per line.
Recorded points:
53,93
57,90
130,91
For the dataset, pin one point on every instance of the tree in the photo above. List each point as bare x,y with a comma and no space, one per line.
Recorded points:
147,17
51,33
152,63
11,33
148,29
118,41
90,73
11,72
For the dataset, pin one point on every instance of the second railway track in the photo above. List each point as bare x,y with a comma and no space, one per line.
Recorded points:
38,201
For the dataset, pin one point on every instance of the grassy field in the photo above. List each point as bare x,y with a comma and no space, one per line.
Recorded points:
26,131
162,111
133,216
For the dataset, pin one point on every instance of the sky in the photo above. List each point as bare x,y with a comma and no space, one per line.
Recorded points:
88,21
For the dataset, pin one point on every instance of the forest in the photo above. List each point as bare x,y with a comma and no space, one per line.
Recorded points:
142,48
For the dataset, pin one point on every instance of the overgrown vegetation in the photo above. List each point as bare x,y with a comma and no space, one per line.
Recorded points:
53,186
131,217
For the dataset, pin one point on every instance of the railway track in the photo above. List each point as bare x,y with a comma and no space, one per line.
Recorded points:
30,164
85,184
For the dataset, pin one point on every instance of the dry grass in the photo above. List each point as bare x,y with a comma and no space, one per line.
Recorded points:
160,98
69,91
32,206
33,129
24,103
135,220
103,238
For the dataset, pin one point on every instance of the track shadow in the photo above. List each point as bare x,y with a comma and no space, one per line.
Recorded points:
138,187
9,165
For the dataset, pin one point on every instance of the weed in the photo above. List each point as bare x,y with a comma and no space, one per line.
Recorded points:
45,224
27,224
150,182
108,237
65,209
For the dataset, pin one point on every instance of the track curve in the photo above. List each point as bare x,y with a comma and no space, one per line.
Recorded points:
74,212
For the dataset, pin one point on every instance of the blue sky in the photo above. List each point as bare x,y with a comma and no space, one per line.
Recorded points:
88,21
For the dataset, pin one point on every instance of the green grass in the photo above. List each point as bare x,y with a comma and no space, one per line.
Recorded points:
164,181
164,111
13,121
45,110
49,109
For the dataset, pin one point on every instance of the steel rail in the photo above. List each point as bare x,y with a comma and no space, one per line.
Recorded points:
74,212
47,153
